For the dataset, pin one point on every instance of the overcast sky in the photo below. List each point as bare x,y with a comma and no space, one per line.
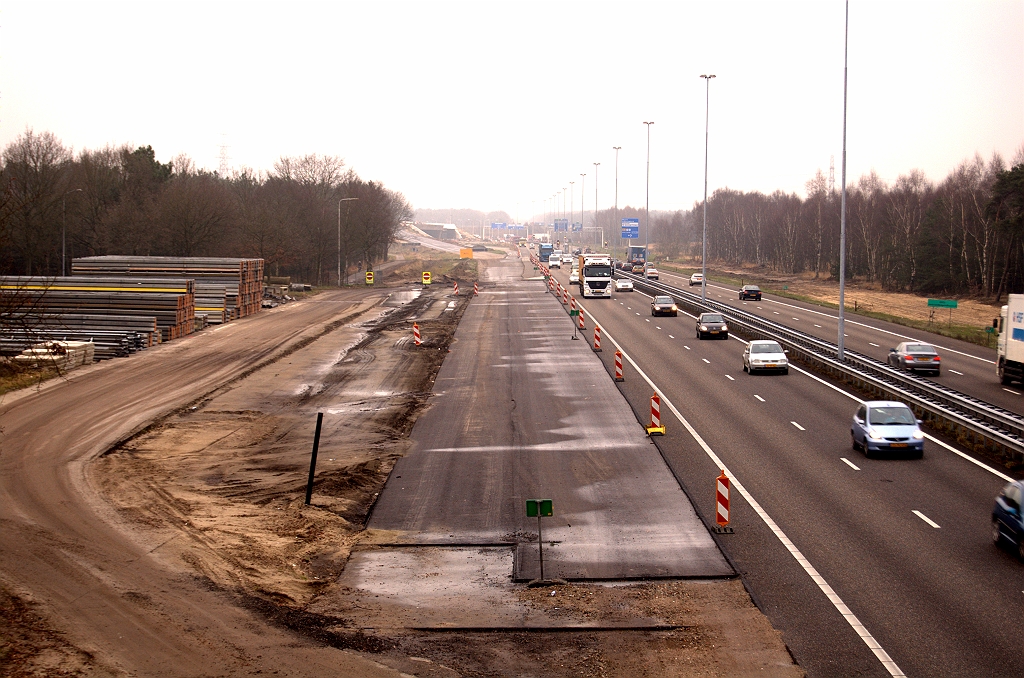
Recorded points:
495,105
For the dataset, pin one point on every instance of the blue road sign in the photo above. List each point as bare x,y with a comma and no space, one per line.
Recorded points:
631,229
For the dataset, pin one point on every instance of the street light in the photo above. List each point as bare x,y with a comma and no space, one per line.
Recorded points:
704,240
647,235
340,280
583,209
595,202
842,219
572,200
617,149
64,229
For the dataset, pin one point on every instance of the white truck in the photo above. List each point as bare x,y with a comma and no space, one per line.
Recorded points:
1010,348
595,275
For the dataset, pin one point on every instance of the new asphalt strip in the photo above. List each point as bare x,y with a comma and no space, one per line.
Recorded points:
522,411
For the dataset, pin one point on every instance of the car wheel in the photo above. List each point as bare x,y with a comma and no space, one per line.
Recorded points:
997,534
853,440
919,454
725,336
745,369
785,371
1003,379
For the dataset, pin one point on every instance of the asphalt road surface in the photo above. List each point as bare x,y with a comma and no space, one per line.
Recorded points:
902,545
968,368
60,546
523,411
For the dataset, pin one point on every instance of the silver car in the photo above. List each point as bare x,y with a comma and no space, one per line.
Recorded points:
763,355
886,426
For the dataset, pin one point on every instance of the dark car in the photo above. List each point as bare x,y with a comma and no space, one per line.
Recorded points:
664,305
1007,523
886,426
479,248
913,356
750,292
712,325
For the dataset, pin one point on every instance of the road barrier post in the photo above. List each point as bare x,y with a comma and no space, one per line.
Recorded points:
618,366
476,289
312,459
722,504
416,334
597,338
565,294
656,427
456,288
583,325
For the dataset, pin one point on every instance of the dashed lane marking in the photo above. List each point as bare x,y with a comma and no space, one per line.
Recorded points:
818,326
759,397
873,344
671,337
1009,391
926,519
706,360
955,372
729,377
850,464
798,425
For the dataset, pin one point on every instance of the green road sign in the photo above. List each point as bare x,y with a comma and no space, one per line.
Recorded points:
942,303
574,312
539,507
990,330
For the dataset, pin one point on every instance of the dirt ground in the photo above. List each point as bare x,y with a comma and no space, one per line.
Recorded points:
218,490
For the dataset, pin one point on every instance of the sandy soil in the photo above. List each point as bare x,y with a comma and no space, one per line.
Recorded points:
218,490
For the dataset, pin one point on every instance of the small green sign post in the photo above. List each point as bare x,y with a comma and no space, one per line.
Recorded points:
944,303
540,508
574,313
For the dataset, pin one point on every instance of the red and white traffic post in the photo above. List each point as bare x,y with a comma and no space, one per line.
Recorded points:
618,366
416,334
456,288
722,504
656,427
583,325
476,289
597,338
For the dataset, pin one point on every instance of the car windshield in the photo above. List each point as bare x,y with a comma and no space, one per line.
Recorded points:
752,288
663,300
597,271
711,318
887,416
765,348
919,348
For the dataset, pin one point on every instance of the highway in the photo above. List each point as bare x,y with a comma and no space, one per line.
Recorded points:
902,545
966,367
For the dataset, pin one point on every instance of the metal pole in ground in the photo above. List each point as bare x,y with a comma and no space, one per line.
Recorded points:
540,547
312,459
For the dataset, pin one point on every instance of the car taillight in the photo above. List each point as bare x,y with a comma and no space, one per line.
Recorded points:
936,358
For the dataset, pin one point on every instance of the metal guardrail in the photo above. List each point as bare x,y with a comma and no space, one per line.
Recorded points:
954,410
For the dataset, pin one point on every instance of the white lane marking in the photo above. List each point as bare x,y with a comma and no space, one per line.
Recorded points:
926,519
706,360
647,319
729,378
798,425
796,318
935,440
775,312
656,327
686,347
823,585
955,372
759,397
760,308
670,336
850,464
1009,391
818,326
875,345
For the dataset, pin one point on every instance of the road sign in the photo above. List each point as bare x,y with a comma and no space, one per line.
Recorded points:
574,312
631,229
426,277
561,224
536,508
369,277
942,303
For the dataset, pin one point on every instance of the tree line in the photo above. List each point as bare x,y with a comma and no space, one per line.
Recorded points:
119,200
962,236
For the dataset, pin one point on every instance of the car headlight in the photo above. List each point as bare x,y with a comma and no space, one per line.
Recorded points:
703,328
725,328
918,435
674,308
874,435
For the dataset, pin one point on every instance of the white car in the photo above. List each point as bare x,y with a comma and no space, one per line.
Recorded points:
574,277
623,285
764,354
696,279
554,262
568,259
652,273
